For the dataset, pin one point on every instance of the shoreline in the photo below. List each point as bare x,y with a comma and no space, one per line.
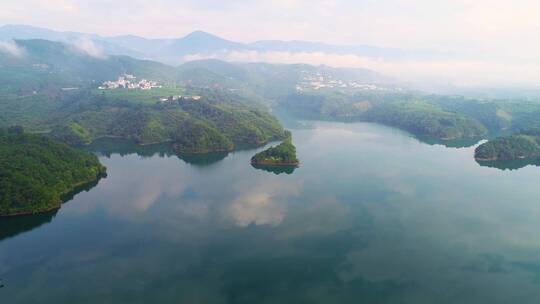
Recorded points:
67,193
269,163
182,151
488,159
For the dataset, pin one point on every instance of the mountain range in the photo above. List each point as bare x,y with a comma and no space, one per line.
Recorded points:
43,65
200,44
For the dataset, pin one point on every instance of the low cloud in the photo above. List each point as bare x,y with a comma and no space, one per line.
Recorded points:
461,72
88,47
11,48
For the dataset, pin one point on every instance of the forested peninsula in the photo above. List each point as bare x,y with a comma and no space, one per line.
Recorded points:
37,174
283,154
217,122
522,145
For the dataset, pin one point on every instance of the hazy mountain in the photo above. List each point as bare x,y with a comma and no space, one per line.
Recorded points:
43,65
268,80
296,46
174,51
39,64
24,32
15,31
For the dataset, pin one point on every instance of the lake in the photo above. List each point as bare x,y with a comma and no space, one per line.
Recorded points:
371,216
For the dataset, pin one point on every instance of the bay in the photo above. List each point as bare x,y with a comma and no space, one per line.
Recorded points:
372,215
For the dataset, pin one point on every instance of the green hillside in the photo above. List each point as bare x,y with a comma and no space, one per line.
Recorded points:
53,86
36,173
46,67
54,91
283,154
522,145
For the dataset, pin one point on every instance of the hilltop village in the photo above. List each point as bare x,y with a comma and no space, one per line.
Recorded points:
128,81
318,81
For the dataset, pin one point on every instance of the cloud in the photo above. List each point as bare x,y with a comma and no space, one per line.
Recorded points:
88,47
11,48
259,209
480,28
265,203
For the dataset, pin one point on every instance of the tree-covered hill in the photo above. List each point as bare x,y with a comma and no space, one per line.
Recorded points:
36,173
283,154
269,81
211,123
52,86
37,94
424,115
417,116
522,145
42,66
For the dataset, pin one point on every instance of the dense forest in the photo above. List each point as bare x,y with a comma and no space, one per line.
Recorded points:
52,89
283,154
216,122
36,174
427,116
522,145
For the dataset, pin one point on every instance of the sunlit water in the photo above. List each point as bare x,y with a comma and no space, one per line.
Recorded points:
371,216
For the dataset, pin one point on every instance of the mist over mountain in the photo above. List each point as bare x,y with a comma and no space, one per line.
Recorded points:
435,71
199,44
44,65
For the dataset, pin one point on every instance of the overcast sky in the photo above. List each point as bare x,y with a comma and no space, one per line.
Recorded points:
486,28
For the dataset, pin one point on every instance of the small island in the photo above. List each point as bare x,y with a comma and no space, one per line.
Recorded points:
283,154
37,174
523,145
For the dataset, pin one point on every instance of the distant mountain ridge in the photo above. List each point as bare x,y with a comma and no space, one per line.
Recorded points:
174,51
51,65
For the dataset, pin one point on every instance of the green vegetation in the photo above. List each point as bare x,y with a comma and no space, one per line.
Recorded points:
213,123
47,67
416,116
283,154
423,119
425,116
523,145
276,169
36,174
52,89
140,96
72,133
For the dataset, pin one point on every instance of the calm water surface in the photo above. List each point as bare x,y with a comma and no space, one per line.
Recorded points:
371,216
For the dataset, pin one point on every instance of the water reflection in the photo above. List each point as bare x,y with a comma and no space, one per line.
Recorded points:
453,143
203,160
13,226
109,146
262,201
510,164
277,170
82,188
373,216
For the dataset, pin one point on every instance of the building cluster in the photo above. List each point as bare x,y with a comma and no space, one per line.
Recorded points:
177,98
128,81
320,81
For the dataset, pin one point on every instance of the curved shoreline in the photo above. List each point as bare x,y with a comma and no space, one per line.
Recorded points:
505,159
73,189
487,159
269,163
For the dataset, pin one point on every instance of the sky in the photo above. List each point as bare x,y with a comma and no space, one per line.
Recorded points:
490,31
